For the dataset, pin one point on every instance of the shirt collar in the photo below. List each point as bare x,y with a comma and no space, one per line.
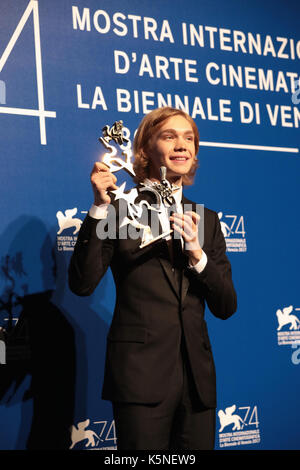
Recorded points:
177,195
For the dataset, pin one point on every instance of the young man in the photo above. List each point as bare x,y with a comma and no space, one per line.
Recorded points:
159,374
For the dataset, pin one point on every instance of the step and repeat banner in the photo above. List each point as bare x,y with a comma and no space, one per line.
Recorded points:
67,69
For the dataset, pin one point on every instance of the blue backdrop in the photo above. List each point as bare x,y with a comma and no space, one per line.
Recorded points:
67,68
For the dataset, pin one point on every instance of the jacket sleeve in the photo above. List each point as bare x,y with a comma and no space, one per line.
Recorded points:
90,259
216,279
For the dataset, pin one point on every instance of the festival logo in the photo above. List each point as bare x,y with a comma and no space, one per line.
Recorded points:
31,9
238,426
233,229
93,436
288,329
70,225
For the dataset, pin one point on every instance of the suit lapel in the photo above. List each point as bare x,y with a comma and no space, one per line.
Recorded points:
163,254
167,267
184,286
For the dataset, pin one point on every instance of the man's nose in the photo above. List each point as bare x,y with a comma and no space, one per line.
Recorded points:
180,143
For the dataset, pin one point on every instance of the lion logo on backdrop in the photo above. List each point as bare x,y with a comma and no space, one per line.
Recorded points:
66,221
227,418
284,317
94,435
239,426
81,433
288,329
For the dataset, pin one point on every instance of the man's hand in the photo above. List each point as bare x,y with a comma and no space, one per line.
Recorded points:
187,226
102,180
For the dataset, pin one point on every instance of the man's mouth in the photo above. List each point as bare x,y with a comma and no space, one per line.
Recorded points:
179,159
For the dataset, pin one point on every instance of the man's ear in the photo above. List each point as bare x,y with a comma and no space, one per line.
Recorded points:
147,152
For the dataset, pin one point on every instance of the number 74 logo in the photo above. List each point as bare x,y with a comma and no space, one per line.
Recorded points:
41,113
235,225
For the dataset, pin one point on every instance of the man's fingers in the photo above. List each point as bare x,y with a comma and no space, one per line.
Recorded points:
101,168
195,217
184,221
177,228
104,197
187,234
103,180
104,185
187,226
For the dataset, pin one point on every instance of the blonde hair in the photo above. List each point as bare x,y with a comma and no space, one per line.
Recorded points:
149,125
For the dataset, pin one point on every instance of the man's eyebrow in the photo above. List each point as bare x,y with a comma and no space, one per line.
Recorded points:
174,131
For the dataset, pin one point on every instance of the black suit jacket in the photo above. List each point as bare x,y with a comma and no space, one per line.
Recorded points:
151,313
